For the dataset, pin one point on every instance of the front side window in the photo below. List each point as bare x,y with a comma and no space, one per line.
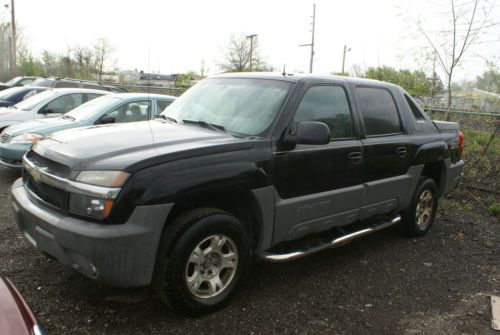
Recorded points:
327,104
161,105
131,112
243,106
380,115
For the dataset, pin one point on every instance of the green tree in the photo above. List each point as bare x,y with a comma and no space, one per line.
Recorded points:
489,80
415,82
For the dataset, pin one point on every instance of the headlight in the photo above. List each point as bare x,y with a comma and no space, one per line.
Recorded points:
103,178
89,206
26,138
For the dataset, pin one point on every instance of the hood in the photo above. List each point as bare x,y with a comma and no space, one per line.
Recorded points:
40,126
6,110
121,146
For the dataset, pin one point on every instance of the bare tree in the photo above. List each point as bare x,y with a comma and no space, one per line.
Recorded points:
467,21
236,56
102,51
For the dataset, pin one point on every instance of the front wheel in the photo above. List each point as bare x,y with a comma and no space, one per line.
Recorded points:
419,216
206,263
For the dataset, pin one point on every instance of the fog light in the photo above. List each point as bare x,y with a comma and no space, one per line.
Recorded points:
93,207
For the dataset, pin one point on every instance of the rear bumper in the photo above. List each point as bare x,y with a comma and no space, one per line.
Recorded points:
454,173
122,255
11,155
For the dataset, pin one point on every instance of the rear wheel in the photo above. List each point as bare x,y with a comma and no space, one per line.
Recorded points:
205,264
419,217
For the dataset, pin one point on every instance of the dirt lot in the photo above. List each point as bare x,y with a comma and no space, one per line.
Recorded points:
381,284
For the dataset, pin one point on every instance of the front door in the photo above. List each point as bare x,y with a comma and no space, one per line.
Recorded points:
319,186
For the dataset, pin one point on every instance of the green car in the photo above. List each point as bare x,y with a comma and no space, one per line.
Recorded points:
113,108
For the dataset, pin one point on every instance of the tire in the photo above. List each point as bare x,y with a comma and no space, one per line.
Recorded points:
201,268
419,216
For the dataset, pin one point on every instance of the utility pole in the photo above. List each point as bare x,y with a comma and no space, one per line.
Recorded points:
312,40
433,75
251,37
13,23
343,57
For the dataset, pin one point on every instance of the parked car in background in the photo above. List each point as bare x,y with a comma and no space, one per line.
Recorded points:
13,95
56,82
114,108
16,318
17,81
50,103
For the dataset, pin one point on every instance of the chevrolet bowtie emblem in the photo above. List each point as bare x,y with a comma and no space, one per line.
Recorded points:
36,174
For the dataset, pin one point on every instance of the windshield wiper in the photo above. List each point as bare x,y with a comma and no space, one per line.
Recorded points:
169,118
206,124
72,118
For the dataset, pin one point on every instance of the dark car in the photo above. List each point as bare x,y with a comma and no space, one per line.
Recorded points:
13,95
240,166
17,81
16,317
56,82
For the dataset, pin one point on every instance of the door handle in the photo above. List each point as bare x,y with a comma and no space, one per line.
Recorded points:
355,157
401,151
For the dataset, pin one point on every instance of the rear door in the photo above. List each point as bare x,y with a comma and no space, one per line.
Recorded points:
319,186
385,151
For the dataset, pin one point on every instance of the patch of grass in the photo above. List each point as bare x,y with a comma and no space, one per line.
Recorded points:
488,244
494,209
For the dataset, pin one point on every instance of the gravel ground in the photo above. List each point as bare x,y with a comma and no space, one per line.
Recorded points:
380,284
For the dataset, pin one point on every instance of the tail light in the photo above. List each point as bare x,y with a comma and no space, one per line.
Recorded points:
461,141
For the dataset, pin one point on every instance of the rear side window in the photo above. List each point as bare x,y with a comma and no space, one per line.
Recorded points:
94,87
380,115
91,96
66,84
327,104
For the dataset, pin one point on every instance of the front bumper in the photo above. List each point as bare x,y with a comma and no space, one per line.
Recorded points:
11,155
122,255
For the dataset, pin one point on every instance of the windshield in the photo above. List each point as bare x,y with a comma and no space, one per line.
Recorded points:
33,101
89,109
10,92
12,81
244,106
43,82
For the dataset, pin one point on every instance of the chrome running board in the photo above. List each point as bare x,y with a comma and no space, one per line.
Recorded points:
276,257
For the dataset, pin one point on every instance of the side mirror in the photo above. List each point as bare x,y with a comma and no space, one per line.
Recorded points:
47,111
312,132
106,120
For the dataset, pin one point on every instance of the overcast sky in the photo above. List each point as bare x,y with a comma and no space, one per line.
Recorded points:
175,36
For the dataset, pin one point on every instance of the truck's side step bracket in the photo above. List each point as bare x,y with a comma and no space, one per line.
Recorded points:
336,242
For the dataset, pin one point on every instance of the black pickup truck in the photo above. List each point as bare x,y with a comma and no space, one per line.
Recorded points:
241,166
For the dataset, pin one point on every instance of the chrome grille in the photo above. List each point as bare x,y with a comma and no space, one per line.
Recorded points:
53,167
4,137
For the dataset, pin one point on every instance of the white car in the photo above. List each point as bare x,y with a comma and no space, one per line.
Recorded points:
54,102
